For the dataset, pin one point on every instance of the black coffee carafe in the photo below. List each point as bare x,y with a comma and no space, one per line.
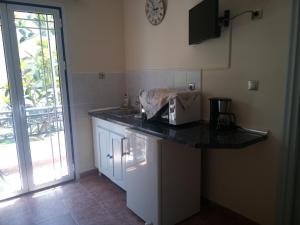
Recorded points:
220,116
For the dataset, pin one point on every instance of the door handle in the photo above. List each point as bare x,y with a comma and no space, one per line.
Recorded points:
22,107
122,146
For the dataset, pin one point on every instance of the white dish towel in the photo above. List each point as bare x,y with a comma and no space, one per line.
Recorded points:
155,99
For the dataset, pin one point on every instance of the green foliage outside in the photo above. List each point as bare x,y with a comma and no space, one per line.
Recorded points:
34,39
36,65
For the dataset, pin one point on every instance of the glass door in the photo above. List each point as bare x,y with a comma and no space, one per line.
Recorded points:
37,34
41,96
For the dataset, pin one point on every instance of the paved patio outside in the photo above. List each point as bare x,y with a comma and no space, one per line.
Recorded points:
48,165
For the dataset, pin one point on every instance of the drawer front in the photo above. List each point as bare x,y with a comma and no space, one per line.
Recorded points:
113,127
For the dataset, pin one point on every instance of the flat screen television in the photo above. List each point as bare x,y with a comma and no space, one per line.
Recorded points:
204,22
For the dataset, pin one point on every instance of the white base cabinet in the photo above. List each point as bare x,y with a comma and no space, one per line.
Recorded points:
162,179
109,150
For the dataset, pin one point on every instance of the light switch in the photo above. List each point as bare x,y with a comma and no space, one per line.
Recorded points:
253,85
101,75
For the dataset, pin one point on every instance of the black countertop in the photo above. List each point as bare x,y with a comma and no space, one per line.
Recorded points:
197,135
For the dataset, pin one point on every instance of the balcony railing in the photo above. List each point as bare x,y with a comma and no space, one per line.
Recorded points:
40,122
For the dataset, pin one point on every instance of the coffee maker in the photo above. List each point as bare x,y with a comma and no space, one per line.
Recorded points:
220,116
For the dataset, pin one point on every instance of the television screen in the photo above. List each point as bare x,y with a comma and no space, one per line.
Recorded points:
204,21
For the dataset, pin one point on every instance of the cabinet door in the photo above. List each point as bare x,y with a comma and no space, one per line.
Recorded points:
95,144
102,137
119,159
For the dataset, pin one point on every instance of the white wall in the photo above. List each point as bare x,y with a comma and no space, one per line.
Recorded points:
94,32
95,35
246,181
165,46
243,180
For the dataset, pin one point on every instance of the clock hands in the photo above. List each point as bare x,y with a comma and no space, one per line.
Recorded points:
152,4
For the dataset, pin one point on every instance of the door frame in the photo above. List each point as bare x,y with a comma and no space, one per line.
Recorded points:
61,61
288,204
16,110
65,81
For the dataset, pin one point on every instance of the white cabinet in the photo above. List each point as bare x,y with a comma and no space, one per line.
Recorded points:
109,150
118,159
161,178
103,151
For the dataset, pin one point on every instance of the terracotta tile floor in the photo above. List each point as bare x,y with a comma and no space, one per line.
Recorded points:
93,201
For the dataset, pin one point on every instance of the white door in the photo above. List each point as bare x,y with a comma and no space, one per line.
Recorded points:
34,107
119,159
103,150
13,179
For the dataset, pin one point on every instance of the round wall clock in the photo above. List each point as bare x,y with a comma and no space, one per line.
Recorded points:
155,11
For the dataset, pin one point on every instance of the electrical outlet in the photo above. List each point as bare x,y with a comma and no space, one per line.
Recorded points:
101,75
257,14
192,86
253,85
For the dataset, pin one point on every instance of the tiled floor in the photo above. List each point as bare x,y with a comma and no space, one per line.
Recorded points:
93,201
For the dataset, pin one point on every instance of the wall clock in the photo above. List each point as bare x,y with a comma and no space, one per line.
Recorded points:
155,11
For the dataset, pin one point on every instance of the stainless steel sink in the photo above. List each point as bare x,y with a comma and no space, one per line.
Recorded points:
124,112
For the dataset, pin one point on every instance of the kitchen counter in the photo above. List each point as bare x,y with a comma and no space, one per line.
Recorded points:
197,135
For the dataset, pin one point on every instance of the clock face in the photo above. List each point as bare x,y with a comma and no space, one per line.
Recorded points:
155,11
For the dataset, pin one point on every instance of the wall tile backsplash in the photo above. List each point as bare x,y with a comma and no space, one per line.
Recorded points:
89,92
149,79
89,89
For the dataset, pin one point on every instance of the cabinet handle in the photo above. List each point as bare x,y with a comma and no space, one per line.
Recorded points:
109,156
122,146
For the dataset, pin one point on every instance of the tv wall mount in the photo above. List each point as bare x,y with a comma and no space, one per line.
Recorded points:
224,21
